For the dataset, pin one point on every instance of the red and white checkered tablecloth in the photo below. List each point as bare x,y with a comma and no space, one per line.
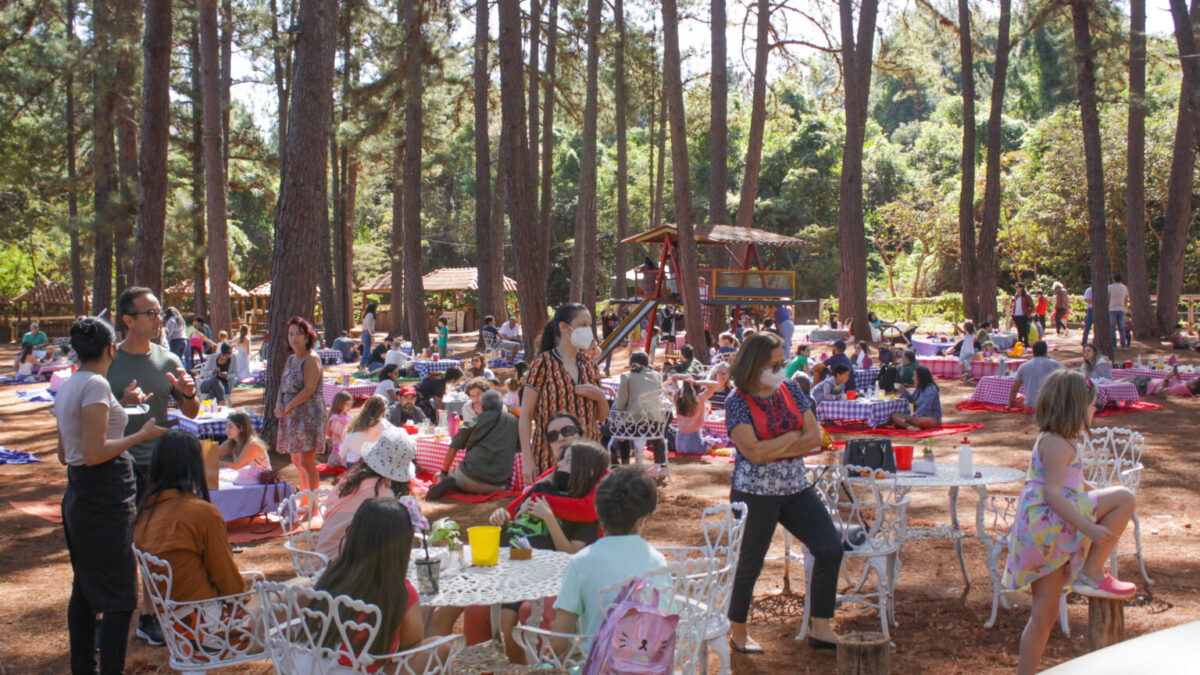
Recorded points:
986,368
1116,392
1121,373
874,412
941,366
357,390
431,452
996,389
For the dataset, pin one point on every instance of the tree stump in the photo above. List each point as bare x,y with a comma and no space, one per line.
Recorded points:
1106,622
864,654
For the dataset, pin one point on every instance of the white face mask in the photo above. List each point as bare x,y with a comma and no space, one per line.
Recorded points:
581,337
772,378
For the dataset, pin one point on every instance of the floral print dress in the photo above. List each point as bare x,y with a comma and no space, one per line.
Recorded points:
303,429
1040,541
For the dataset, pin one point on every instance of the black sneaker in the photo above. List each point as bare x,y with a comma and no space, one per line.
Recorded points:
435,491
149,630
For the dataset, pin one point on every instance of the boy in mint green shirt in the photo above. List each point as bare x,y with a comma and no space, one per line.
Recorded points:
625,498
443,337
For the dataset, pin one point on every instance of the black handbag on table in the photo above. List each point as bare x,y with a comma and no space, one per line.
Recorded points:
872,453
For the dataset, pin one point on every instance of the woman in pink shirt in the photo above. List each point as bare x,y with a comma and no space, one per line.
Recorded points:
1174,385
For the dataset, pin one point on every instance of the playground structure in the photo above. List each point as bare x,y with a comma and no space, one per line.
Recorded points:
750,284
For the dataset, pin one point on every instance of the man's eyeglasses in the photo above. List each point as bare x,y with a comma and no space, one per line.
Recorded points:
565,432
152,313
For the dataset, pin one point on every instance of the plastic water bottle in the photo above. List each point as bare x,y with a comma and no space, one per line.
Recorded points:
966,466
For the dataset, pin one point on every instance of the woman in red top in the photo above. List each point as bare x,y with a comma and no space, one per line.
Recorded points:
561,378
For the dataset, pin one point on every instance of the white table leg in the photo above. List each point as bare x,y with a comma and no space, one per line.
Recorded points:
989,544
958,535
496,634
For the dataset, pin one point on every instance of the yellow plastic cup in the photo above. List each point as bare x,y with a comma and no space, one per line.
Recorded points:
485,545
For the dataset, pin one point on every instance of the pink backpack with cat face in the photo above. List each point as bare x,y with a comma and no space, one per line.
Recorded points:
635,638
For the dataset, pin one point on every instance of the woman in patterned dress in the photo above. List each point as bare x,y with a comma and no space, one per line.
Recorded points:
1057,512
300,404
560,378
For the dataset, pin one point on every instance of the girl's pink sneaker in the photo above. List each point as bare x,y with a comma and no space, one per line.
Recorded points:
1108,587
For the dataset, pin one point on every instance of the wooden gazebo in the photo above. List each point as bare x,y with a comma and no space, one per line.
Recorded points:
439,281
48,297
258,304
186,289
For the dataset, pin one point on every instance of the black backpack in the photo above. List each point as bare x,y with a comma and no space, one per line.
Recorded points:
887,377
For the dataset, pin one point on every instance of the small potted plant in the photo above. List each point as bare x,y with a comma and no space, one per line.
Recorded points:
520,549
447,530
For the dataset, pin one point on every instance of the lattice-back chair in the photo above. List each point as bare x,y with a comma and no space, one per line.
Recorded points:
723,527
641,428
296,515
1000,512
204,634
872,518
491,344
310,632
1113,456
685,587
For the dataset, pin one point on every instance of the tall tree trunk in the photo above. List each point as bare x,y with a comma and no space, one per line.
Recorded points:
1144,322
330,311
214,169
104,161
1094,162
856,66
758,118
583,281
199,233
547,199
414,288
226,79
656,210
78,283
619,289
336,310
281,64
529,242
397,241
128,98
966,190
989,224
346,284
535,25
1178,216
301,218
686,252
491,268
156,123
718,150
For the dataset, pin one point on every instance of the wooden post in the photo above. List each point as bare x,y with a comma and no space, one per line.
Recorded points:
864,654
1106,622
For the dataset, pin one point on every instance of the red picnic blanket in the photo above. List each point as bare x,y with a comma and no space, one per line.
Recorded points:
944,430
1107,411
421,484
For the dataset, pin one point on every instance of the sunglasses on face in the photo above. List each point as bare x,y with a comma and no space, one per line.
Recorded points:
564,432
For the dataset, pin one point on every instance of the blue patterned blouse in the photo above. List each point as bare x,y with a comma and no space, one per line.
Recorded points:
779,477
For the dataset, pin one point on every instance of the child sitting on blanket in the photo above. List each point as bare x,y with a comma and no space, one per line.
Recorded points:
926,400
691,404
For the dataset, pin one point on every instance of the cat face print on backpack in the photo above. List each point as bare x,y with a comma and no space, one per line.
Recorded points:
635,638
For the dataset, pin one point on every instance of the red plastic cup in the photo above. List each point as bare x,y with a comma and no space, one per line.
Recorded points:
1129,364
904,456
851,395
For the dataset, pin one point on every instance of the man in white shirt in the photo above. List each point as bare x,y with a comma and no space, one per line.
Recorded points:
510,333
395,356
1118,300
1088,317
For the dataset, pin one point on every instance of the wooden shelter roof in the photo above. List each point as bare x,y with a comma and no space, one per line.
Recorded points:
188,286
380,284
264,291
50,293
714,235
445,279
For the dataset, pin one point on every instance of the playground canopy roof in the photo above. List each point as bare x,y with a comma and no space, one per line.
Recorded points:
713,235
445,279
49,293
188,286
264,291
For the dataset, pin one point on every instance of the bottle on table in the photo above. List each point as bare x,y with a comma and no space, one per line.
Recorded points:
966,467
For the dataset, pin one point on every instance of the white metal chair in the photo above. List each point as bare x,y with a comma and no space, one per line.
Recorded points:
1113,456
311,632
686,587
873,520
491,344
1002,511
723,526
205,634
639,429
296,515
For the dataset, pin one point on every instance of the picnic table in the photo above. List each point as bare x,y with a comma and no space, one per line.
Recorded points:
932,345
360,389
329,357
945,367
1003,340
827,335
1154,374
244,501
875,411
714,423
865,376
425,367
431,452
995,390
211,424
981,368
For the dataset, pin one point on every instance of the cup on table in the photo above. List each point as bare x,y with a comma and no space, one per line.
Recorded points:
904,457
1129,364
851,395
485,545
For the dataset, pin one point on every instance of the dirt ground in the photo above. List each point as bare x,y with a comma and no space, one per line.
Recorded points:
940,621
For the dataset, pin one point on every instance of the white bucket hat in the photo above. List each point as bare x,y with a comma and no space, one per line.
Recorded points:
392,455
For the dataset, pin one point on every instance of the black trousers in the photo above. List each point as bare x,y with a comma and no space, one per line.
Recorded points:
81,627
623,450
804,516
1022,329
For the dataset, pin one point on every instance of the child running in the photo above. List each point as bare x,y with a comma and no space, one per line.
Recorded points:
1059,515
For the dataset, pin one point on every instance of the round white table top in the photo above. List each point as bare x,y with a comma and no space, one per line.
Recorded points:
1163,652
947,476
508,581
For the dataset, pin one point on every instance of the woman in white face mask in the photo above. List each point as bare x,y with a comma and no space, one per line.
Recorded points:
772,425
561,378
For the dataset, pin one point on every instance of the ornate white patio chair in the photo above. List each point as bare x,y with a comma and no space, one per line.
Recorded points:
639,430
491,344
1113,456
296,515
205,634
1000,511
873,521
310,632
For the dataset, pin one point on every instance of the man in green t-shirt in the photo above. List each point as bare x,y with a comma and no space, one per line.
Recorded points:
908,368
146,372
35,336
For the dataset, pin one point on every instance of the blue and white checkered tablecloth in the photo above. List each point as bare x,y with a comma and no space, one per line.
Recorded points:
329,357
440,366
865,376
210,425
874,412
244,501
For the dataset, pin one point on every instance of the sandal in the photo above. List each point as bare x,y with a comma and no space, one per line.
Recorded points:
751,647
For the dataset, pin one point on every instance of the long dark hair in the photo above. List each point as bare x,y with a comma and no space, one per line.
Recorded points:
685,400
245,429
589,463
371,307
372,567
923,378
360,472
26,350
176,465
564,314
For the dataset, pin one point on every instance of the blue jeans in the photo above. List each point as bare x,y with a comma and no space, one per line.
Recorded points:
1087,325
1117,317
366,350
786,330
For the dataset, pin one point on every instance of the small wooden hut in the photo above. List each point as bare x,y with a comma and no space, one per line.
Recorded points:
259,306
186,290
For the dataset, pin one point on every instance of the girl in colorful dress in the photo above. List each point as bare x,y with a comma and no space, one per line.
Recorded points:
335,427
1064,528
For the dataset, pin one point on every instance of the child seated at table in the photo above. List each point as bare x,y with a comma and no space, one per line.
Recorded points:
926,400
862,356
831,382
799,362
624,501
247,449
1057,512
1179,339
908,367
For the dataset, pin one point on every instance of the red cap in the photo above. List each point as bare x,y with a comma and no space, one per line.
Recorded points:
408,391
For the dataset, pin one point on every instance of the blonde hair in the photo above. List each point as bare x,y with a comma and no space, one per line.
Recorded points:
1063,404
369,414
